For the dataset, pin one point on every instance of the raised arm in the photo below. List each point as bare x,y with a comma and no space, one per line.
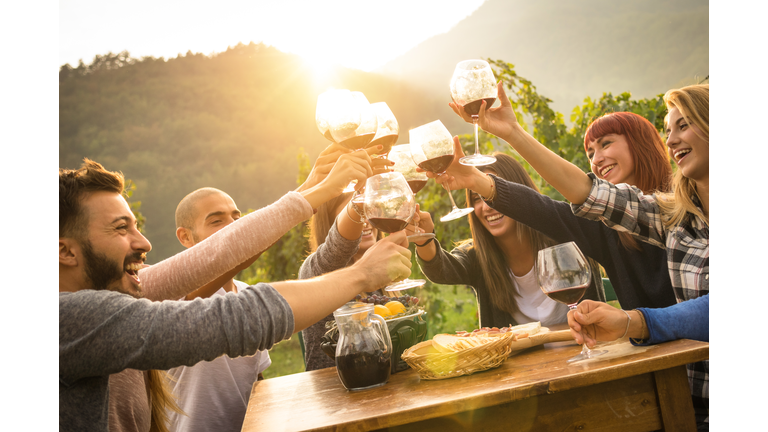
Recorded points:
223,253
564,176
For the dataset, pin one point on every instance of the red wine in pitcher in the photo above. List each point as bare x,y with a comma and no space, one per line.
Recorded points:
437,165
388,225
363,369
568,296
473,108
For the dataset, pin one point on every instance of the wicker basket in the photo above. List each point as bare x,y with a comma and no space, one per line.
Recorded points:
432,364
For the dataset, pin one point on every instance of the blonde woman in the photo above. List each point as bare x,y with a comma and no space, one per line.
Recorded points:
677,221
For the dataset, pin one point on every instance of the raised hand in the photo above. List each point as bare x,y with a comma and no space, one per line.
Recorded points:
500,121
385,262
593,321
422,220
460,176
323,165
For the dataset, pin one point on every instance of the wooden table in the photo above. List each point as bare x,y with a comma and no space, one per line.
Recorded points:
535,390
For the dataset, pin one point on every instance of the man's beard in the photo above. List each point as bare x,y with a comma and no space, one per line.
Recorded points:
103,272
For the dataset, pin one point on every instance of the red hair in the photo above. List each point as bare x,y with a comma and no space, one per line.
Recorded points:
652,169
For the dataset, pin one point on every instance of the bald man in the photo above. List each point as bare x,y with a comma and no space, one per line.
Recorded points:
214,394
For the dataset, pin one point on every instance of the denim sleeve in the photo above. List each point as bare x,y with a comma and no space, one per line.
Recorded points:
685,320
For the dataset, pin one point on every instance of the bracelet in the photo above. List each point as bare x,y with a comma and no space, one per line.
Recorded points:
629,320
643,326
492,196
425,243
361,222
357,210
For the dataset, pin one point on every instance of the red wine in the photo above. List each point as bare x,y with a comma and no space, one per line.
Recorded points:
473,108
417,185
363,369
387,141
437,165
358,142
388,225
568,296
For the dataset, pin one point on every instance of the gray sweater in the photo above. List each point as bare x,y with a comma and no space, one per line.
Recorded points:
333,254
104,332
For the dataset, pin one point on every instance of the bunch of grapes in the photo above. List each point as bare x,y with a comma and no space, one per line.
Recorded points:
376,299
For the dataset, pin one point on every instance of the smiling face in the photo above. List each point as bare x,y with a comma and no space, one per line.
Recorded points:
496,223
687,147
212,213
114,249
610,159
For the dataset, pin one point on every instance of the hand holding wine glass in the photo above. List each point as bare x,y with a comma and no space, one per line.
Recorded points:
594,321
389,207
460,176
353,166
432,150
500,121
564,274
473,86
323,165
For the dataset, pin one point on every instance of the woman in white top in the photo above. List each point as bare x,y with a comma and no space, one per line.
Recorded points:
498,262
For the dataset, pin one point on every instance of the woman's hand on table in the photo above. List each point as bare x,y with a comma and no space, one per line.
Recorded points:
593,321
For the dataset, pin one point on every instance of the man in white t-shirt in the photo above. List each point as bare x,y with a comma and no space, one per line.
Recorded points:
214,394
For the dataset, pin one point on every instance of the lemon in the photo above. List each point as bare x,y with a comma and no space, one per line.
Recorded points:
395,307
381,311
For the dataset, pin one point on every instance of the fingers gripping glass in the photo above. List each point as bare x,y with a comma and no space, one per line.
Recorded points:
432,150
472,83
346,118
404,164
389,207
564,274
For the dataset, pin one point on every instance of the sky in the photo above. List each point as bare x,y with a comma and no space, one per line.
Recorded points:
354,33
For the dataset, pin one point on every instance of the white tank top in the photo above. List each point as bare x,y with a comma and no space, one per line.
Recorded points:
533,304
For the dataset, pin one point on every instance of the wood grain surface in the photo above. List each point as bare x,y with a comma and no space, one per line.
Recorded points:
536,387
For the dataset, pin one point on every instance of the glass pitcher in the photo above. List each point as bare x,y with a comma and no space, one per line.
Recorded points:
364,350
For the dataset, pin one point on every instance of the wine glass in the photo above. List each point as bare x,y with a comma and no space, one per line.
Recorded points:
387,133
326,109
388,129
432,150
564,274
389,207
404,164
472,83
351,121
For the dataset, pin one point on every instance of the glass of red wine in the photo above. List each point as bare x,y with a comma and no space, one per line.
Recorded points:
404,164
387,133
326,109
472,83
563,273
389,207
352,123
432,150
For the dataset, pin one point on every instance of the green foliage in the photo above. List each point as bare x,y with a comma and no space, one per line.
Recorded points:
135,206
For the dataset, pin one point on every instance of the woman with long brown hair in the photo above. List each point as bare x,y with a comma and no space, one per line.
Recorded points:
676,222
498,262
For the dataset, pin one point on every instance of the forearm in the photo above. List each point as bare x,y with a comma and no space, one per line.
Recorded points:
224,251
210,288
313,299
685,320
334,253
564,176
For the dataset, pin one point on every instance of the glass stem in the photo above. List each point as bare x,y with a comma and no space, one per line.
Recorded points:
584,348
477,143
453,203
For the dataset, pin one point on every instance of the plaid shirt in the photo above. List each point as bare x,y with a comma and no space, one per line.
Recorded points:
626,208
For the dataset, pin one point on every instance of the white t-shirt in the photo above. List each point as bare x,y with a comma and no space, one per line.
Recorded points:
533,304
215,394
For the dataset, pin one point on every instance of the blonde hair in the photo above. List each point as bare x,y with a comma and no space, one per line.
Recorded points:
693,104
162,400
